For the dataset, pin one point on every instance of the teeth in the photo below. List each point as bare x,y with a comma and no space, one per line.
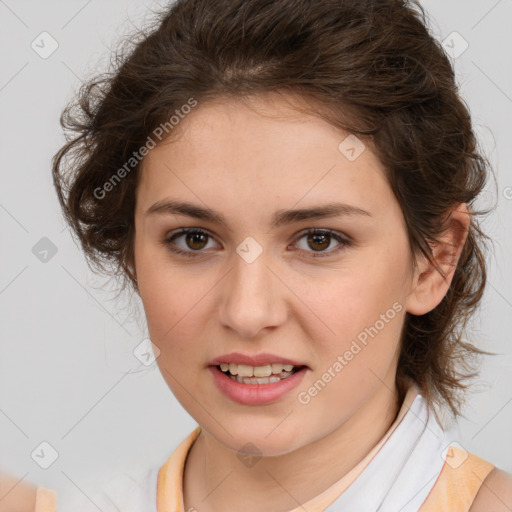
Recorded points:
260,380
244,370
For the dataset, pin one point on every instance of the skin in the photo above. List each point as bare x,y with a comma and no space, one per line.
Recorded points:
247,161
495,494
16,495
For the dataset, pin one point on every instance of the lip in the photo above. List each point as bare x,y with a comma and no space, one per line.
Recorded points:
253,360
255,394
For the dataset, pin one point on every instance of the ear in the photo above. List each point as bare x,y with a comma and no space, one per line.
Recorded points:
428,286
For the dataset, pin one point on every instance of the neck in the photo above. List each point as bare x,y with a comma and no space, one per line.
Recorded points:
215,480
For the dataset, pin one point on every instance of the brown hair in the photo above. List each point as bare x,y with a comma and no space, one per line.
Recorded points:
369,67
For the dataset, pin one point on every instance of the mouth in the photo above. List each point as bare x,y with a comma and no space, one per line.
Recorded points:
256,386
267,374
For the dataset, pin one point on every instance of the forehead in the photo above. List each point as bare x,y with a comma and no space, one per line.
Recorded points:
259,152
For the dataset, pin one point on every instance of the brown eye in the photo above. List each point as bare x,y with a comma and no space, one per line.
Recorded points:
318,242
192,241
196,240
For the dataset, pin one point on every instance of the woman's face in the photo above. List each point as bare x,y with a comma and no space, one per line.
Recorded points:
256,282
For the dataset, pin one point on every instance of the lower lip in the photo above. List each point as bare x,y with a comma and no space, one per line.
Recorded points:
256,394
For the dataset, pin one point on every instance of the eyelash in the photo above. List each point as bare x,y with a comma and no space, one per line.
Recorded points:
343,242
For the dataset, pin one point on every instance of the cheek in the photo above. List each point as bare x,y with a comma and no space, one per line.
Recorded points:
169,307
357,356
359,313
174,301
354,300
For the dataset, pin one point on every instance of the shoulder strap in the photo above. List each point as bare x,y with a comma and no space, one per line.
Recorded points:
46,500
458,483
170,476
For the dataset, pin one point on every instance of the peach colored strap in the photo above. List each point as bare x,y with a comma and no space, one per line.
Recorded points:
46,500
161,494
170,476
458,483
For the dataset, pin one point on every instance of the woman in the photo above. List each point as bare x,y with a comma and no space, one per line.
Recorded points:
288,186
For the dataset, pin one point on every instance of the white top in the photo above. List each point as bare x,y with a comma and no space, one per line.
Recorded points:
397,475
134,492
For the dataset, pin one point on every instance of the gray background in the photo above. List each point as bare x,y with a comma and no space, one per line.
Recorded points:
66,345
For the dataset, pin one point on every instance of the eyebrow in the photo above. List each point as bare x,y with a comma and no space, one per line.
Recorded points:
280,217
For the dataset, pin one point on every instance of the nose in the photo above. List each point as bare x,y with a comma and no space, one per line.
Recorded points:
253,298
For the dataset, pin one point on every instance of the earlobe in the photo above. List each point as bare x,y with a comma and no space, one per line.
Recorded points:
428,285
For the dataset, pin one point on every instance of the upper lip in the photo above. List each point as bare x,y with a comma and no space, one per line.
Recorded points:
253,360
